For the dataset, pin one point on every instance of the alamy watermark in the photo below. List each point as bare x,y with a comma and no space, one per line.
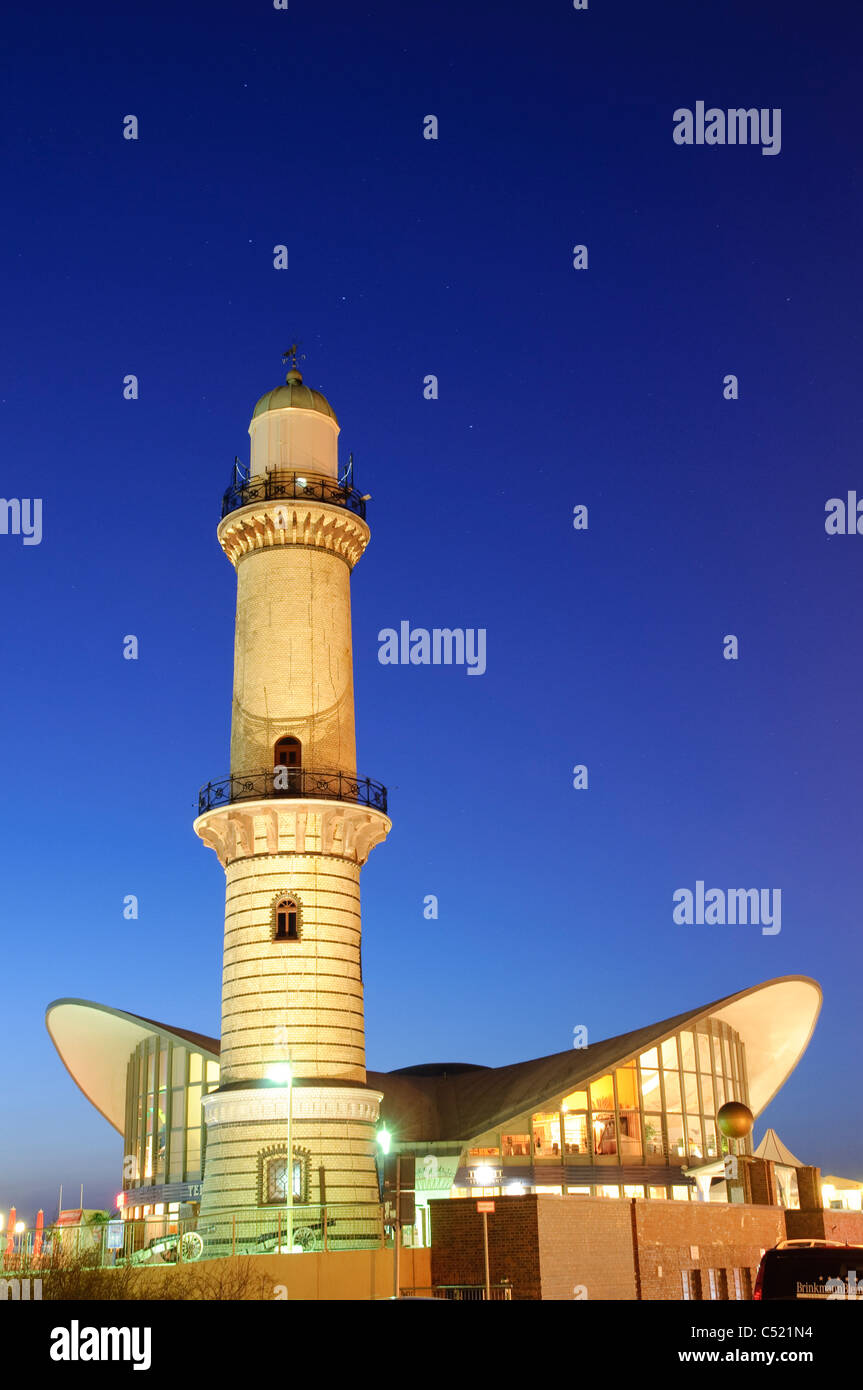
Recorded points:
737,126
440,646
844,518
22,1290
22,516
731,907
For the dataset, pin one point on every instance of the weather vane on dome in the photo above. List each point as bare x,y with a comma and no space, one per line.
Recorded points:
292,354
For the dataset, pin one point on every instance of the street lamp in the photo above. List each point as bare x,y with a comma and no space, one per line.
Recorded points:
280,1072
385,1140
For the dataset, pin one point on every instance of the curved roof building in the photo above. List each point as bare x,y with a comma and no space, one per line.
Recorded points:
632,1115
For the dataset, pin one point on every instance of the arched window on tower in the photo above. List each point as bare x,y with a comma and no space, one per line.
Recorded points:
287,920
288,754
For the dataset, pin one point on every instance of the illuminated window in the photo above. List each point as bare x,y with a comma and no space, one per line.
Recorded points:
286,920
693,1130
680,1193
576,1101
672,1090
602,1116
676,1141
178,1066
711,1142
669,1053
650,1088
690,1092
515,1145
483,1153
627,1105
276,1180
608,1190
546,1134
575,1132
653,1144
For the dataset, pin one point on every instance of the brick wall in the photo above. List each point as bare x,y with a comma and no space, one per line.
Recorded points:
825,1225
677,1236
513,1246
586,1243
549,1247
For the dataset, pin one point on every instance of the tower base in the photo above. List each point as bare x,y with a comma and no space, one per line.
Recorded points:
332,1138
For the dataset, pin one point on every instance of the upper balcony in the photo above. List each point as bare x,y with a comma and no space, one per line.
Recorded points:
292,486
298,782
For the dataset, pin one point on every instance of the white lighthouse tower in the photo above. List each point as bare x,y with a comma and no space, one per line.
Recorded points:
292,826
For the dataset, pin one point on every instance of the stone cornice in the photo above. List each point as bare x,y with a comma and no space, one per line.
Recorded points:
306,1103
339,829
312,525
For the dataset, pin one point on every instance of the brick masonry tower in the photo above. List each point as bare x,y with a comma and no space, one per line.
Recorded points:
292,826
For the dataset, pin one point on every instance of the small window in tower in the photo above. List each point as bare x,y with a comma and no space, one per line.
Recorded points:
273,1176
288,754
287,920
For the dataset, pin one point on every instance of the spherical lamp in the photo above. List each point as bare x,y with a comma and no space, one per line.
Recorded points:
735,1120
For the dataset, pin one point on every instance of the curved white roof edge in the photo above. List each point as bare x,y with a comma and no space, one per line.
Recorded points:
95,1041
775,1019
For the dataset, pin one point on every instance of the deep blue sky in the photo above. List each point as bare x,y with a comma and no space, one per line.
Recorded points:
557,387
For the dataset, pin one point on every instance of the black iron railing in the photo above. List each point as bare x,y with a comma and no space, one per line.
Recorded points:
273,486
292,781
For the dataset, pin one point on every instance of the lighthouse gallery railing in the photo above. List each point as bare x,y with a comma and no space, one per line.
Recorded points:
292,782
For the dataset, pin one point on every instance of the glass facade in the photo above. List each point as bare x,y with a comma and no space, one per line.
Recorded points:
164,1140
656,1109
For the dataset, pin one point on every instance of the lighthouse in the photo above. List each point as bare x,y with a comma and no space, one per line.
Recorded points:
292,825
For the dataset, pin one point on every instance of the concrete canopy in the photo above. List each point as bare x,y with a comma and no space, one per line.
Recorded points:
775,1020
95,1043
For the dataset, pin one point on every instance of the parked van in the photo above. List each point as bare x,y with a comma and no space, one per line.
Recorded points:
810,1269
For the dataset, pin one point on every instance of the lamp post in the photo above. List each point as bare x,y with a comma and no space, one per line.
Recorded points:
281,1072
485,1176
385,1140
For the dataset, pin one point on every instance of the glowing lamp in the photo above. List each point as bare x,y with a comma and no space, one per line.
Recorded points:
279,1071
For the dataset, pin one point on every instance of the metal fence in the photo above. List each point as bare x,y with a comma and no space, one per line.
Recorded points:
461,1293
155,1240
302,782
291,486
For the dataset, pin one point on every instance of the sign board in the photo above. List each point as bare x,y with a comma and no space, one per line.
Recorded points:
485,1206
115,1235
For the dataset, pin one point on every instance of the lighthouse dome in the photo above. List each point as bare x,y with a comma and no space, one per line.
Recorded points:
294,396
